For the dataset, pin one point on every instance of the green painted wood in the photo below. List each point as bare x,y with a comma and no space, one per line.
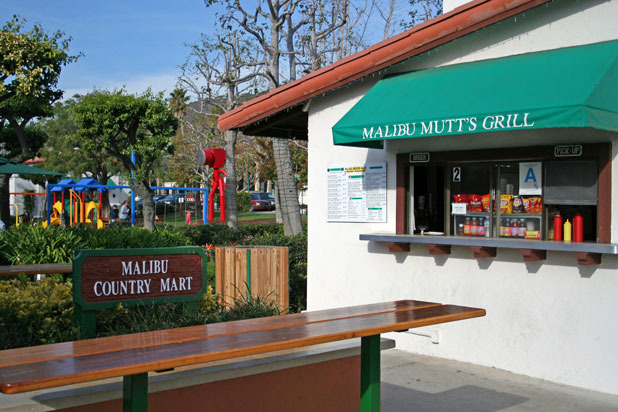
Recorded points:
86,321
135,393
249,271
370,373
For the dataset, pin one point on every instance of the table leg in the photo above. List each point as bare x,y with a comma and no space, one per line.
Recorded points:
135,393
370,373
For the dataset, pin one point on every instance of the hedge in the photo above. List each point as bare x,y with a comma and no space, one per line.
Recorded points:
33,313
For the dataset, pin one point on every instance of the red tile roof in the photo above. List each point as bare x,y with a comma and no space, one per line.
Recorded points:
455,24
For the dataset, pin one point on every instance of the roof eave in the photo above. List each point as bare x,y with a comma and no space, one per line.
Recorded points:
458,23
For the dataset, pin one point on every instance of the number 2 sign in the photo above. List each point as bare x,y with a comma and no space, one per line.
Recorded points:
457,174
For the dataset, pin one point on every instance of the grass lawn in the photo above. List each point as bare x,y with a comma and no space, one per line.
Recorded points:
180,218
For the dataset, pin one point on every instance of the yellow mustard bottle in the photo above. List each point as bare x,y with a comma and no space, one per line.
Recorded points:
567,231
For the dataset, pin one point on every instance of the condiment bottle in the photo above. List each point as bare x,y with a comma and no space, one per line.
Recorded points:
578,228
567,231
558,228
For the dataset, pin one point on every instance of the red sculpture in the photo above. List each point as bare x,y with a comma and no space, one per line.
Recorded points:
215,158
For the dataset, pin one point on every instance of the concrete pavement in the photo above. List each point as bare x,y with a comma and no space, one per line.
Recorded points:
425,384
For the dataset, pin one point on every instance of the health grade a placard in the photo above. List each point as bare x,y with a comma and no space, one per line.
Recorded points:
356,192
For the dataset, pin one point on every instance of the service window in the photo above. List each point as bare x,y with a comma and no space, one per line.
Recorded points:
497,200
516,198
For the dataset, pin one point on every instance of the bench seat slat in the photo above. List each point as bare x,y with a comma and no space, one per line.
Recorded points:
137,340
58,372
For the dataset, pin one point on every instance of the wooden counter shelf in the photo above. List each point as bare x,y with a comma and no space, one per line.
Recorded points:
587,253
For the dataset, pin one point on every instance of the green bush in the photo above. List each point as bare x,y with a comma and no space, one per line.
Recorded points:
34,244
243,200
35,313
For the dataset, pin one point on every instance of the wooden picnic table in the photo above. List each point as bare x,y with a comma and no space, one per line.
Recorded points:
46,268
133,356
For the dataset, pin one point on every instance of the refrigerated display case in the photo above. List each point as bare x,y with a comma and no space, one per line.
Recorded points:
488,201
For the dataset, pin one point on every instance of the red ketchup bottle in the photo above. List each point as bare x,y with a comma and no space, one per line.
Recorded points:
578,228
558,227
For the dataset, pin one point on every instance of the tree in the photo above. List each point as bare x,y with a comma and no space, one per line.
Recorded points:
266,27
135,129
62,151
421,10
219,72
30,66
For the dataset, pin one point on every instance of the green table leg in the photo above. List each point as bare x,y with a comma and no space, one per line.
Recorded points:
135,393
370,374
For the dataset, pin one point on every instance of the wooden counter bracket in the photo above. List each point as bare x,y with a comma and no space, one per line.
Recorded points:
481,252
438,249
532,255
396,247
587,258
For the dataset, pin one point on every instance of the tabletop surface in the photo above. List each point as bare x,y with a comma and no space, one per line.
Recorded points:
46,366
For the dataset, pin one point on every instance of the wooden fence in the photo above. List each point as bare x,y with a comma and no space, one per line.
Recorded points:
260,270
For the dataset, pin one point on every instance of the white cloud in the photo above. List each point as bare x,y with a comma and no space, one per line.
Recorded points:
157,83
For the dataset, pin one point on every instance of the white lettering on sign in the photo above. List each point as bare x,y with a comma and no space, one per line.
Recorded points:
122,287
144,267
449,126
176,284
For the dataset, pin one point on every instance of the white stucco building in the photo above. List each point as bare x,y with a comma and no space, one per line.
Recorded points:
469,104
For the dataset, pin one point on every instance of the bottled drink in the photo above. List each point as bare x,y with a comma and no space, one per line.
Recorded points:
474,227
467,227
486,224
522,228
514,228
480,230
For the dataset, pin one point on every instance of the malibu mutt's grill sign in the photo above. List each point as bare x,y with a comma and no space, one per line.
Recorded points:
139,275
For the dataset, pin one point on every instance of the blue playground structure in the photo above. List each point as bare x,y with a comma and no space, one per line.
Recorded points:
77,199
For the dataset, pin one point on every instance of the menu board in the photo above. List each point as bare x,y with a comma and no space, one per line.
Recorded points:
356,193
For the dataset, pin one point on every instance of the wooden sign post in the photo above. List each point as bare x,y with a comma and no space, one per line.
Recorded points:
104,278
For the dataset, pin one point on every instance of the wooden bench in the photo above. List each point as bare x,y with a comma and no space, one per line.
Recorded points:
45,269
133,356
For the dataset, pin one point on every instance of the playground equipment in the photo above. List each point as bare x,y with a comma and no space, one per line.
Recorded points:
16,213
55,218
215,158
80,209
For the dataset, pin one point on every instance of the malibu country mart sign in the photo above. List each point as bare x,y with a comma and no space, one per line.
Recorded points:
104,278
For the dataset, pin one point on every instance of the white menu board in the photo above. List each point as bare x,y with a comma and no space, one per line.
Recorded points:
356,193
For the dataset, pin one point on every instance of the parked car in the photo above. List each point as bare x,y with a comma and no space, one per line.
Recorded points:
174,199
262,201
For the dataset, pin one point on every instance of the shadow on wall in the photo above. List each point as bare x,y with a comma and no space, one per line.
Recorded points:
565,259
467,398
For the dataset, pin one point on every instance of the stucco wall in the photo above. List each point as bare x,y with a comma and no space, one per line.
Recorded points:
551,319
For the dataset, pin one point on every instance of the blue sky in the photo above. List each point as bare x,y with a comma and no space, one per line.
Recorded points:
132,43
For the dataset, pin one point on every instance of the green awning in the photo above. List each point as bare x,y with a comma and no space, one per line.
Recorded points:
569,87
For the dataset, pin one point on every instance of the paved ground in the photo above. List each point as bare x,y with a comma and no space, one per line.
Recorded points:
425,384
